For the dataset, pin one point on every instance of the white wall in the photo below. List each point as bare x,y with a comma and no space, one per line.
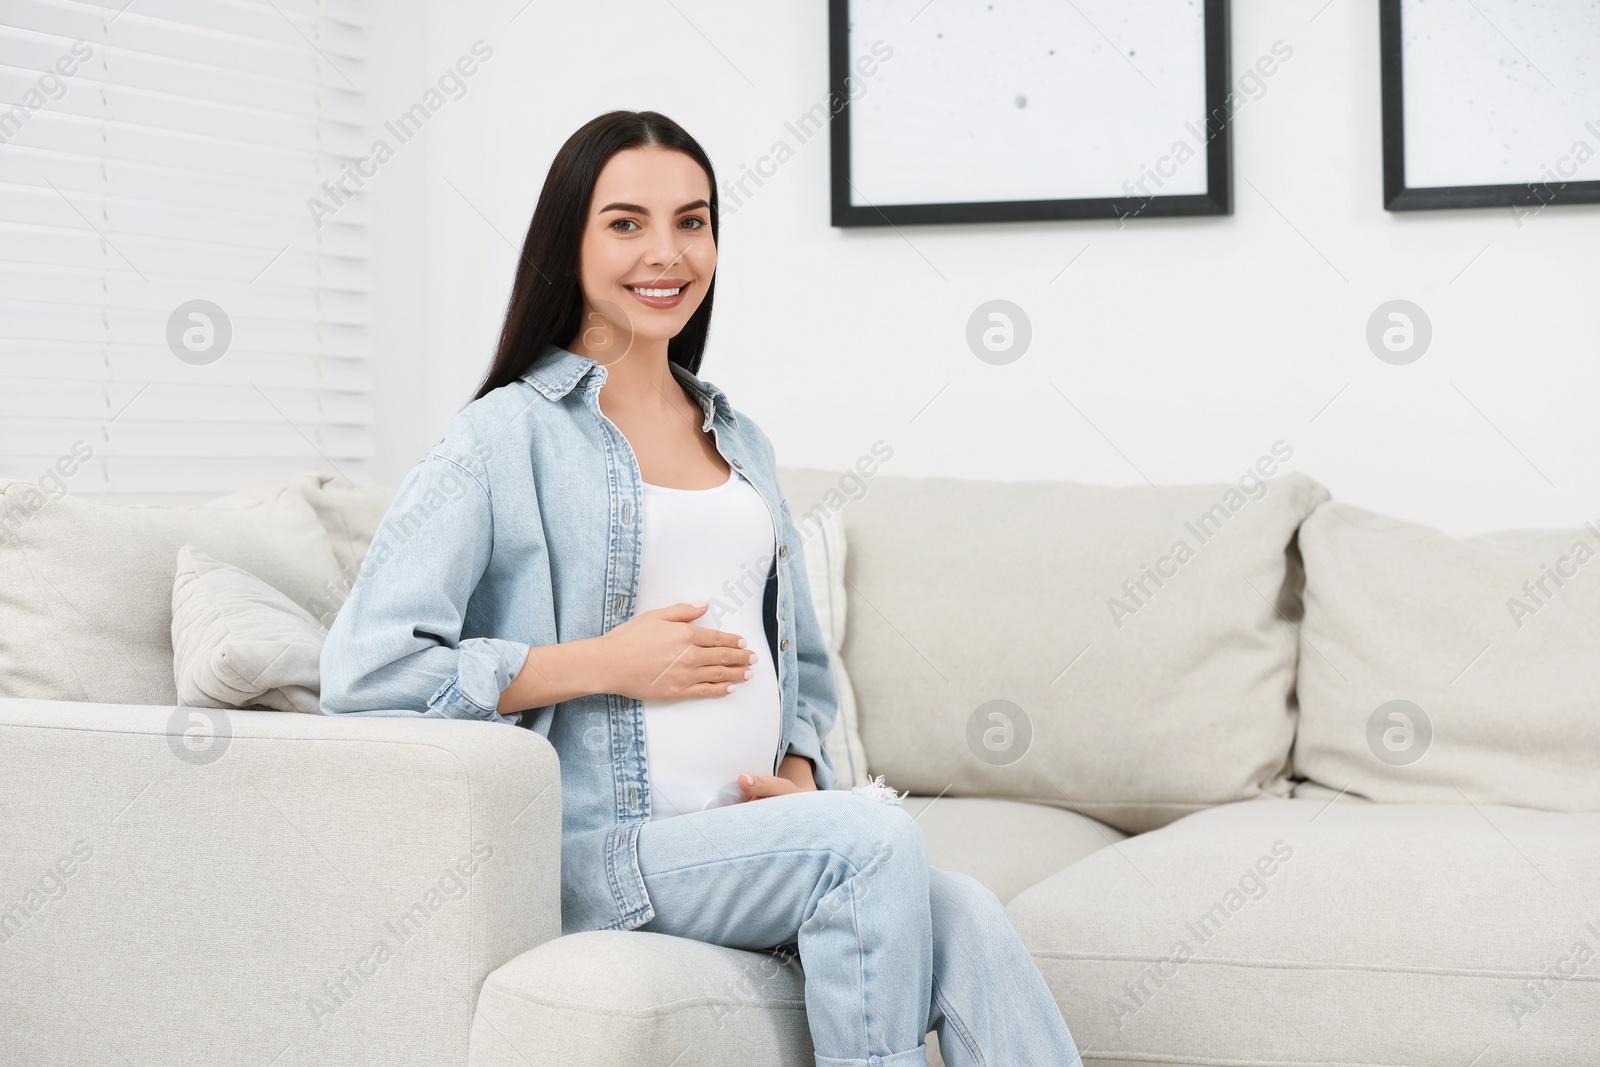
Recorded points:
400,265
1175,350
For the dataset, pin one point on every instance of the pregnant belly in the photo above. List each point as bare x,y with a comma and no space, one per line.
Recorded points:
696,749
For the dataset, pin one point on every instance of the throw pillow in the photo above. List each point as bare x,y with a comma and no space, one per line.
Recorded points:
239,643
823,551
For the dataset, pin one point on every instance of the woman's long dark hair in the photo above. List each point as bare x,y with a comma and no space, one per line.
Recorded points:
546,305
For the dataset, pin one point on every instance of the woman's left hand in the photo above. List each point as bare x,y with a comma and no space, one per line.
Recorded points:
794,776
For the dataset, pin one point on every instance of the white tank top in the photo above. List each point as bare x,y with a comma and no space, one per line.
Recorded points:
714,545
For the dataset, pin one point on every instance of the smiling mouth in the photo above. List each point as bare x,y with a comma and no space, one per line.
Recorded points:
657,292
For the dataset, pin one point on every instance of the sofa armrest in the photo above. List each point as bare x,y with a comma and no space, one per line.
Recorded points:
187,884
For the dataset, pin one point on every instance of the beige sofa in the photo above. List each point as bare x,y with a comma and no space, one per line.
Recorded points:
1160,723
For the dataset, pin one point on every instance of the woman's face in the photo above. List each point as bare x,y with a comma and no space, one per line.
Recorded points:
649,231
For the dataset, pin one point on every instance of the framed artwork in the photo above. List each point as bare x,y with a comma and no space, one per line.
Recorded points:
1031,109
1490,103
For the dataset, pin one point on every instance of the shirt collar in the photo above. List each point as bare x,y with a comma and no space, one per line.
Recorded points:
557,370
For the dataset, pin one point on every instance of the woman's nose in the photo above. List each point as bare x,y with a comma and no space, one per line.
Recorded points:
663,251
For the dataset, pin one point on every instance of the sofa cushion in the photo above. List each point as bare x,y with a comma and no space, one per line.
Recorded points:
239,643
86,588
1128,653
824,556
349,511
634,997
1438,668
1008,845
1310,932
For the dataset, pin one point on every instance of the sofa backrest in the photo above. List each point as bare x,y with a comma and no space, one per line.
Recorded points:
1125,652
1131,653
1438,669
86,588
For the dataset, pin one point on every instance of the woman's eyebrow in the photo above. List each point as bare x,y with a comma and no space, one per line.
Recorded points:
638,210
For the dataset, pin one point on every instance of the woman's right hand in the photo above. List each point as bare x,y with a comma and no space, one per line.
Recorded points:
662,655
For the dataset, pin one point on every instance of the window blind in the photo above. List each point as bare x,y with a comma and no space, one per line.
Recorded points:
176,321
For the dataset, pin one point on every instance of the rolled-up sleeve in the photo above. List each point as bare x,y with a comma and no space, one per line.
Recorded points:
395,647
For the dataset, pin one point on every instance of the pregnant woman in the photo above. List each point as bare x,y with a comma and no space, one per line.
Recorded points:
599,550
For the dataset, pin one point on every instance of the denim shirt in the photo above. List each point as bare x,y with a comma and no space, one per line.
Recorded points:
521,528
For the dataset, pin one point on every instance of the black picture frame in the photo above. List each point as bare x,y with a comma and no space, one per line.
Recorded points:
1397,195
1217,200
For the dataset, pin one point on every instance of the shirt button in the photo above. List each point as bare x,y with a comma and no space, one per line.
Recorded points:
784,644
736,463
619,602
783,550
627,512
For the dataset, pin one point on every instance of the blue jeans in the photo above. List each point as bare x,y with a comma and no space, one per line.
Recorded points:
891,947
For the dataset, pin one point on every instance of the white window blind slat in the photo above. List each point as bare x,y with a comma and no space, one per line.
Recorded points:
95,64
140,365
344,259
338,27
55,291
256,440
132,25
117,327
55,174
94,142
115,478
224,125
319,19
50,402
29,245
178,497
204,154
113,215
95,61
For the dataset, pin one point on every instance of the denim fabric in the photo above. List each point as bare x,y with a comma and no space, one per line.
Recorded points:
519,528
891,947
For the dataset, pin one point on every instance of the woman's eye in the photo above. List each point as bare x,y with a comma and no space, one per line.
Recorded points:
699,224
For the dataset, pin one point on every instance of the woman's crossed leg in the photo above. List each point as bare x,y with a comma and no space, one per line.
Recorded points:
891,947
